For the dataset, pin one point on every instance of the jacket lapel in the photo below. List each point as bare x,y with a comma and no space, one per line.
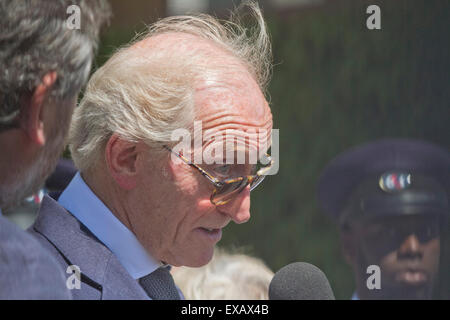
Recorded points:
80,247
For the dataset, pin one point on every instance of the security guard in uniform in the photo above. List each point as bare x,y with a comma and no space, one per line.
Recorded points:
390,199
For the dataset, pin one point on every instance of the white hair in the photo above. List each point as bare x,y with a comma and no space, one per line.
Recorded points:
143,94
225,277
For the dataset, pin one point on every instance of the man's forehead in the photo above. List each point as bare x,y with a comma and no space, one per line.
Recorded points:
222,81
235,145
233,92
227,99
234,118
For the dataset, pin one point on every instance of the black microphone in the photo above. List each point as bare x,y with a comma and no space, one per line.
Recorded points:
300,281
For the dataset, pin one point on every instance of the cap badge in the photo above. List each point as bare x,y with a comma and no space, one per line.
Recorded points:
394,181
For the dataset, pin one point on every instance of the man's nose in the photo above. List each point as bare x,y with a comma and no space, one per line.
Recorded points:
238,208
410,247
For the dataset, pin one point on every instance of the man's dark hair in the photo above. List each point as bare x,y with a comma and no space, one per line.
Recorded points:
35,40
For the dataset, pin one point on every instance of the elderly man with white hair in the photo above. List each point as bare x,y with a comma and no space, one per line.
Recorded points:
140,203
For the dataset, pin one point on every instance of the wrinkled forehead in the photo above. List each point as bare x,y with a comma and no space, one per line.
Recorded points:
235,147
233,112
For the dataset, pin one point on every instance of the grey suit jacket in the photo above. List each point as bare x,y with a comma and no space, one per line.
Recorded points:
27,270
102,275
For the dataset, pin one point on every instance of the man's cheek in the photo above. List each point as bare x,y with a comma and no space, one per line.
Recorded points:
204,204
432,255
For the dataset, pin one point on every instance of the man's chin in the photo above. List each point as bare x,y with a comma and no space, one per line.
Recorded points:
404,291
412,279
28,183
15,195
198,259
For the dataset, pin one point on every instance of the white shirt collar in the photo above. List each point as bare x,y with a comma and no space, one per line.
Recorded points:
81,201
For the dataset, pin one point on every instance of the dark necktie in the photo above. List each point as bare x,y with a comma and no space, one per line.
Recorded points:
159,285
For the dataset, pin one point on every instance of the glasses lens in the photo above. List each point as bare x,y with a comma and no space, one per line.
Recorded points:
228,190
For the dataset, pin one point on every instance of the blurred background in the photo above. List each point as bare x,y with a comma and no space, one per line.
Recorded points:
335,85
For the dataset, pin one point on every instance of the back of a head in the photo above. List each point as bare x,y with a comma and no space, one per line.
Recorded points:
36,38
44,61
300,281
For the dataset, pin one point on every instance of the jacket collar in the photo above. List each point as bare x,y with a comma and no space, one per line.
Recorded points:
80,247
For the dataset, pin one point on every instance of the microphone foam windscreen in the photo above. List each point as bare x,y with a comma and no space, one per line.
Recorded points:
300,281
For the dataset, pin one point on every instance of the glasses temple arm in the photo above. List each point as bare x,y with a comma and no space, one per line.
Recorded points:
208,176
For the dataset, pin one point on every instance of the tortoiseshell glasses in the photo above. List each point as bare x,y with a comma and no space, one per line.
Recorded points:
226,189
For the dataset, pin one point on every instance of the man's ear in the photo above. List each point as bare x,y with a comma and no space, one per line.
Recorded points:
121,156
34,124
